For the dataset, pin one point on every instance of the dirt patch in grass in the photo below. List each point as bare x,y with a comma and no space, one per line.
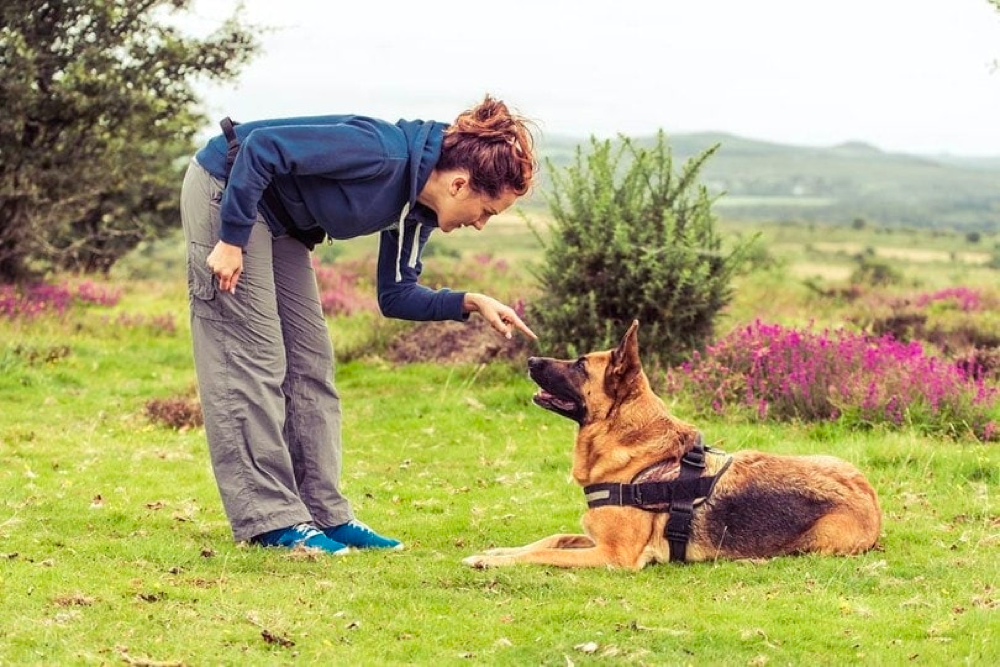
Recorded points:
180,412
472,342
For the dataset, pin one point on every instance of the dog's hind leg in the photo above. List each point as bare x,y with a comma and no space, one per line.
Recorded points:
841,533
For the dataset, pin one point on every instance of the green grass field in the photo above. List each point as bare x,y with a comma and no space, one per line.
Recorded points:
114,548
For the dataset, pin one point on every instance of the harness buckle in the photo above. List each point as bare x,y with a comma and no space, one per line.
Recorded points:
637,494
679,525
695,458
679,529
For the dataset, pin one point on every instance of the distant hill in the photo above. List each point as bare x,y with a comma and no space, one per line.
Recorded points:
837,184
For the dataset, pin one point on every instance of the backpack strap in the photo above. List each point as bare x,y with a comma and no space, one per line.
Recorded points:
232,143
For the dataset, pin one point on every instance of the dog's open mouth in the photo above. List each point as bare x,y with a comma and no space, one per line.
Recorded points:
552,402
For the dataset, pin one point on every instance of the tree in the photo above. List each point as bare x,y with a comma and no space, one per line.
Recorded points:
632,240
98,113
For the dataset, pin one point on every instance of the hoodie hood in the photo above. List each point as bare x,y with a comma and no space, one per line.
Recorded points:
424,139
425,149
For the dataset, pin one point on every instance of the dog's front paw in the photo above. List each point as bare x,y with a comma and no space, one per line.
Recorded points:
483,561
502,551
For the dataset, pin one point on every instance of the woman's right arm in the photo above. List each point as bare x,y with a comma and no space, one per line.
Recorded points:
345,150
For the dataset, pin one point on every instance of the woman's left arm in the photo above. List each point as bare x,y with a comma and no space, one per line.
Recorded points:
406,299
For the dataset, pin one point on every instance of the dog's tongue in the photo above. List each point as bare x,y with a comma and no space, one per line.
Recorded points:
545,397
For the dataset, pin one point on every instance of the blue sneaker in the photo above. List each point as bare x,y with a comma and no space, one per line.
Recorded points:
300,535
358,535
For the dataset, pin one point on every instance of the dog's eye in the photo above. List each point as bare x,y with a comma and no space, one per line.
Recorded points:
581,364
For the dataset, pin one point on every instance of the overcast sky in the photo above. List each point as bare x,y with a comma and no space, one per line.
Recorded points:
916,76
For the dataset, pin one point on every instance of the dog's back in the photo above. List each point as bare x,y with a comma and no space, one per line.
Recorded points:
770,505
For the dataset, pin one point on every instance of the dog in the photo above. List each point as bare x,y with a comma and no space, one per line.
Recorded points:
656,494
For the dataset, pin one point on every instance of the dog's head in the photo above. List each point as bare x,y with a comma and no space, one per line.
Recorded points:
594,385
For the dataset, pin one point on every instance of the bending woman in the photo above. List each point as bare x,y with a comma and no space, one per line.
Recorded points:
262,349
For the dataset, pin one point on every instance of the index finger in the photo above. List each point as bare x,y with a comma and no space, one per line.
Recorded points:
523,328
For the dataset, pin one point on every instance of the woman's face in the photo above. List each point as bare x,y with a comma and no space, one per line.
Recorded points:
466,208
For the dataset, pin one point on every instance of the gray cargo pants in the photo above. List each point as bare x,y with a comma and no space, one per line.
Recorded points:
264,363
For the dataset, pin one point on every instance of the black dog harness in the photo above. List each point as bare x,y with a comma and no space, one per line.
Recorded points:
678,496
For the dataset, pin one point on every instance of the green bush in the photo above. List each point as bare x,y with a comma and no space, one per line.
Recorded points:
632,239
994,262
875,272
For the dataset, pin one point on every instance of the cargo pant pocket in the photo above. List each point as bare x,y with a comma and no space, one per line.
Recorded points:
206,300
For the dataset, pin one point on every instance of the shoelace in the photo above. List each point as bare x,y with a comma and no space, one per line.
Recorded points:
360,526
304,531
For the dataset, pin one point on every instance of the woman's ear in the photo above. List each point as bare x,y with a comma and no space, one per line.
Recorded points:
459,186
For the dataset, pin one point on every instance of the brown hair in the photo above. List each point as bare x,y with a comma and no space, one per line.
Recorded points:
494,145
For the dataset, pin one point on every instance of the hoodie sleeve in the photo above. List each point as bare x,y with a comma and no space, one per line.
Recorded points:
406,299
338,151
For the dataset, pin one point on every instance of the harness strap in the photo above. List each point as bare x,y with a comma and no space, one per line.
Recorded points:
677,495
647,493
682,509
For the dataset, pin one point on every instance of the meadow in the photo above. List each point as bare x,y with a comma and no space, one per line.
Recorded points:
114,548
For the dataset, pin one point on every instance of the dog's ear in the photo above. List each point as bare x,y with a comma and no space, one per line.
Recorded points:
625,358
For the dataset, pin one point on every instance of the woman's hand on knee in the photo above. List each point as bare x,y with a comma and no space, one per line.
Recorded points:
226,262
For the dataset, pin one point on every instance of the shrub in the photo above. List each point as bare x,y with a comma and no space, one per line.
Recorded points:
33,300
96,293
758,257
180,412
875,272
24,355
340,292
774,373
632,241
960,298
955,319
29,301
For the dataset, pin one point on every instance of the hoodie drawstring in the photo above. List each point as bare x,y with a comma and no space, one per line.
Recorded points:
414,249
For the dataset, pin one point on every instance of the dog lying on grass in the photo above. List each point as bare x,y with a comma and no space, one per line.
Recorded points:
655,493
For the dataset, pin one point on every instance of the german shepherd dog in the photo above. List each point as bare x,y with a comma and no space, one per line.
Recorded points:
759,505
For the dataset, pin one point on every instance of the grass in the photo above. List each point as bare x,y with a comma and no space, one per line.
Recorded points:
114,547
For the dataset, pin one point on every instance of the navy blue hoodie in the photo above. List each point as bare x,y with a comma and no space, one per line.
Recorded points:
350,176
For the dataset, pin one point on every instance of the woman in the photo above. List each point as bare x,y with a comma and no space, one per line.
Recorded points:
262,349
